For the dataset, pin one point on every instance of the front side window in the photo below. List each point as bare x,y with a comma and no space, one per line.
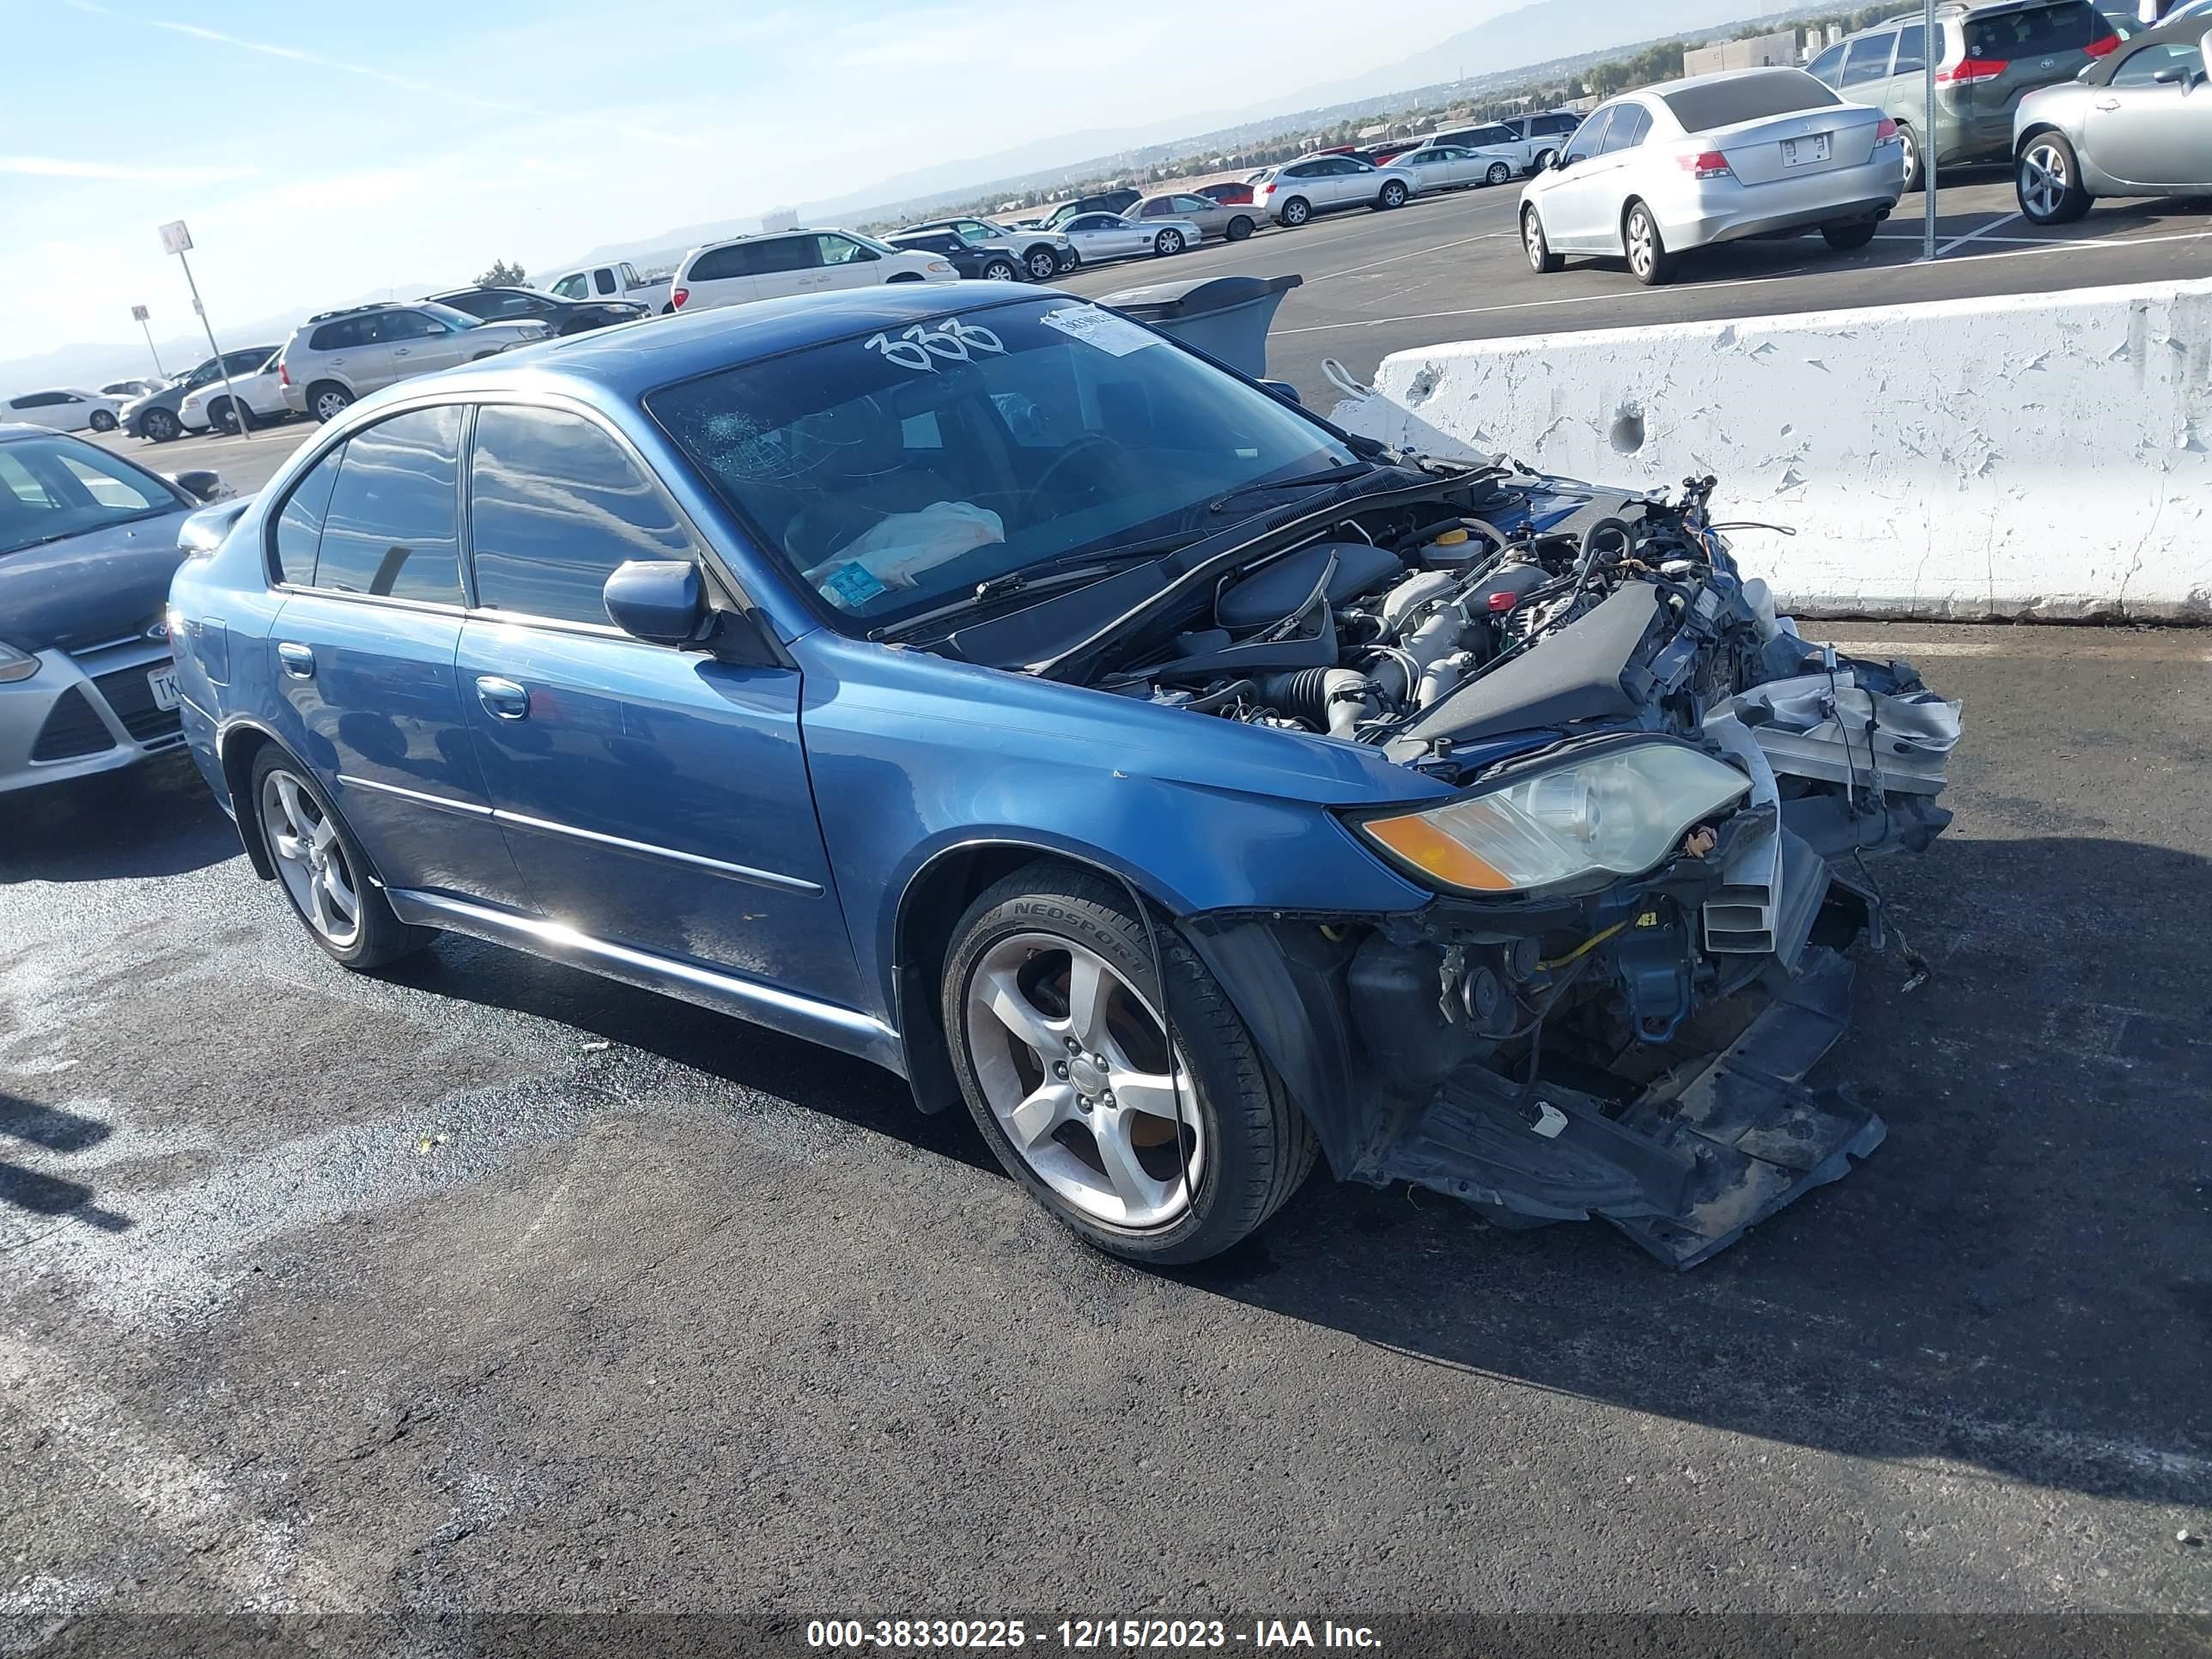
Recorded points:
571,287
1052,428
57,487
406,325
555,506
390,527
835,250
2143,69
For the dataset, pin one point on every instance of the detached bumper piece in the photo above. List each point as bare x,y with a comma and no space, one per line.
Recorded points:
1687,1167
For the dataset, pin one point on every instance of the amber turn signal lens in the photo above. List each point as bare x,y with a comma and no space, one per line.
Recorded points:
1424,846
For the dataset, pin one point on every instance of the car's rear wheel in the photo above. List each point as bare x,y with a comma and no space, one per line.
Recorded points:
1647,249
322,869
1845,237
1541,259
327,400
1168,242
1001,270
1156,1152
102,421
1043,263
2048,180
1499,173
1240,227
1392,195
1914,178
160,425
1295,212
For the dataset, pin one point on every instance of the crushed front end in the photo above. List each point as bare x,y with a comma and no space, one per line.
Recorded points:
1653,860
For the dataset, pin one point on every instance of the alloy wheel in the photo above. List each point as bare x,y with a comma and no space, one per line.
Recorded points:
2042,181
1532,238
1073,1063
330,405
1643,243
1042,266
1499,172
311,859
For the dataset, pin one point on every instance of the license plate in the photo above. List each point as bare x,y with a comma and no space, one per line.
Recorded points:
163,682
1798,152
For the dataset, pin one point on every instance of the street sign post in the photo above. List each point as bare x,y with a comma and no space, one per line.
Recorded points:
176,239
138,315
1933,51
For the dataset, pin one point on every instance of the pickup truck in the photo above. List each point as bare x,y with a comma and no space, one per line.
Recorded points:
615,281
1527,141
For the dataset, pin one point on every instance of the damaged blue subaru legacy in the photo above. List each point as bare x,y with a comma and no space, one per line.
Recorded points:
990,686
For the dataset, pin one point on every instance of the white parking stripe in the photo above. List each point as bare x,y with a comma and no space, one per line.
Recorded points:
1420,253
1972,236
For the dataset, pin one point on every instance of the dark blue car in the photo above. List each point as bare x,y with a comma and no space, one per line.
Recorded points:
987,685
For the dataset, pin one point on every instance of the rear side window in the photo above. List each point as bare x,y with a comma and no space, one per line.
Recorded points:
1630,123
2071,25
337,336
1868,59
300,525
554,504
719,264
1747,98
390,527
1911,51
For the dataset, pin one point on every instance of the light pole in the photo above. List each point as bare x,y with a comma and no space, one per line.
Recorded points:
138,316
176,239
1933,51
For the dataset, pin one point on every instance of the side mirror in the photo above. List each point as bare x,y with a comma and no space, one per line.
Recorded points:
867,254
1559,160
661,601
1286,390
2172,75
201,483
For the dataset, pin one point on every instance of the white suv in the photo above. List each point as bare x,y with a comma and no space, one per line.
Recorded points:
340,356
788,261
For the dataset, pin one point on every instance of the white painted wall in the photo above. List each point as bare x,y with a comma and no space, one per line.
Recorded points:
2032,456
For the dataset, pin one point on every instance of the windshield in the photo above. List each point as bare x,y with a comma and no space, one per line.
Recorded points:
51,488
896,472
450,316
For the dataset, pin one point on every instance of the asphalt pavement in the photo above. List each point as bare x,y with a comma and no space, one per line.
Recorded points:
486,1285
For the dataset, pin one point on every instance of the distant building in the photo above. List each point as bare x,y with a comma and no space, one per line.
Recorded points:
780,219
1760,51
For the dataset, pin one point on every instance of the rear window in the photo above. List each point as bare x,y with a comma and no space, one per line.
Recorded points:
2070,25
1752,97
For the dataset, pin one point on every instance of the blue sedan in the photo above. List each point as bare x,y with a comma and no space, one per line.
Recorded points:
990,686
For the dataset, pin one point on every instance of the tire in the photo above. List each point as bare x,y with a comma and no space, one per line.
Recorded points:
320,867
327,400
1239,227
1294,212
1392,195
1646,248
102,421
1543,159
1002,271
1537,246
1243,1145
1041,264
1499,173
1069,261
1167,244
1916,173
219,417
1847,237
2047,179
160,425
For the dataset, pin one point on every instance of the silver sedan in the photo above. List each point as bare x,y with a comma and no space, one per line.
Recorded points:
1453,166
1232,221
1101,236
2137,123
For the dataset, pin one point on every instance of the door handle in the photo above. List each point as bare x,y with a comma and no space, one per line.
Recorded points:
299,660
399,352
505,699
2108,103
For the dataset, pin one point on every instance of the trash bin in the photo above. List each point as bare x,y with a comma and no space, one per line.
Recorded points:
1225,317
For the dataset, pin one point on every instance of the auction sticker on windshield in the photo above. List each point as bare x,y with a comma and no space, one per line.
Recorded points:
1117,336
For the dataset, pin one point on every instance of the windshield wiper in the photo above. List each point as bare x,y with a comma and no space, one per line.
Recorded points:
1304,480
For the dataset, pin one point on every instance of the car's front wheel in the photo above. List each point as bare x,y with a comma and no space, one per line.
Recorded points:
2048,181
322,869
1043,263
102,421
1392,195
1499,173
1055,1014
160,425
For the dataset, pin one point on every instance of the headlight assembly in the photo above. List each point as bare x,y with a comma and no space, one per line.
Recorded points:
1616,813
15,665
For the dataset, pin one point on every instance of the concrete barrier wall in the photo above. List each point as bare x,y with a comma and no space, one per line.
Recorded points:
2033,456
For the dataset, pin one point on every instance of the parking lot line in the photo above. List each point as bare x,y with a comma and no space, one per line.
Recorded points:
1418,253
1973,235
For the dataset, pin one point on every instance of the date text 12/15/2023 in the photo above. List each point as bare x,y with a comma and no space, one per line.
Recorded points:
1086,1635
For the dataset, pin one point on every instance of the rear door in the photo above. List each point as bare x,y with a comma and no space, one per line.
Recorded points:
788,265
654,797
720,277
360,351
2154,133
368,550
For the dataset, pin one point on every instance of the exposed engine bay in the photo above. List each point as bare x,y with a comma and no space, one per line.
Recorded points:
1614,1016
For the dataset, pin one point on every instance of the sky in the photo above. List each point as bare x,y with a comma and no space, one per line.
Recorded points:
318,153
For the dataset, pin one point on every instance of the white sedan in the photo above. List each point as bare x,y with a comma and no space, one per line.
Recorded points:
69,409
1714,159
1453,166
1098,236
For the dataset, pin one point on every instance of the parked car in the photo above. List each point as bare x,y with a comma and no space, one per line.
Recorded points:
951,680
123,391
1099,237
1230,194
1042,254
1713,159
509,305
1296,190
2138,124
63,408
617,283
788,262
88,543
1227,221
208,408
1525,151
984,264
157,418
1991,57
1454,167
1112,201
338,357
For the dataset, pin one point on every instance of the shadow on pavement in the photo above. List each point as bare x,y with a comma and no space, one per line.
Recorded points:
57,1129
156,819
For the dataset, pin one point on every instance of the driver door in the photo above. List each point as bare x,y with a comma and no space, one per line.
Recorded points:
1574,208
845,262
2153,132
420,343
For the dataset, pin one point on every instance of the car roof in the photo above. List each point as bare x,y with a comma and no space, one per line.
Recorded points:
631,358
